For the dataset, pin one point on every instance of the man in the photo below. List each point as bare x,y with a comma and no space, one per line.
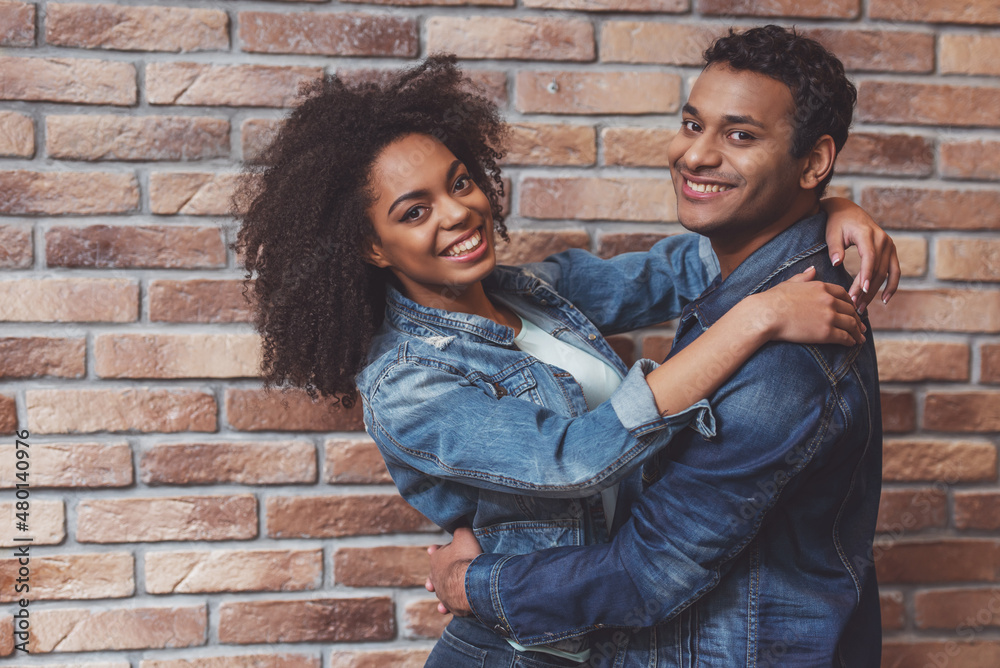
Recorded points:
752,547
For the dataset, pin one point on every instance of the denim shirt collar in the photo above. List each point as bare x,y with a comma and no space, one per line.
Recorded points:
799,240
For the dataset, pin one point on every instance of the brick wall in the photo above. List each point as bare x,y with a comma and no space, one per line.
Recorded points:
180,518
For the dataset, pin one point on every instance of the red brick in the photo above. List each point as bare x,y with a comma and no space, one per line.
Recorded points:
927,104
974,160
977,510
418,3
556,92
335,516
191,193
990,371
89,630
90,465
957,608
255,463
636,147
201,84
397,658
624,347
490,83
936,11
899,412
256,134
536,245
233,570
649,42
130,246
35,356
310,620
340,34
961,259
75,80
938,460
658,6
17,133
136,28
383,566
71,576
910,360
521,38
962,411
292,410
68,411
893,612
925,209
55,193
842,9
423,619
551,144
353,462
589,198
17,24
157,519
903,510
886,154
106,137
238,661
16,248
6,635
211,301
879,50
970,54
8,415
950,560
157,355
908,653
48,523
613,244
69,300
940,311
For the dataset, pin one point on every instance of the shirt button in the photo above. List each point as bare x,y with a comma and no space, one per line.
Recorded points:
592,337
545,302
501,392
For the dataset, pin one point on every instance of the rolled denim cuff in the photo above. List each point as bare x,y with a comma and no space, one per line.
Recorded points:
483,593
636,408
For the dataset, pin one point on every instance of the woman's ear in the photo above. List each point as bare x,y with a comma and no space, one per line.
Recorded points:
819,163
376,256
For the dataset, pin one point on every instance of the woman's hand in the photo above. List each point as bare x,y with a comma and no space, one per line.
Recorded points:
849,225
802,310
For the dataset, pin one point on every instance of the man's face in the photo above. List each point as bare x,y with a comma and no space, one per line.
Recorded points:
731,162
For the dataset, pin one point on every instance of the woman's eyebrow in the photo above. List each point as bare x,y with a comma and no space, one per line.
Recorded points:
424,192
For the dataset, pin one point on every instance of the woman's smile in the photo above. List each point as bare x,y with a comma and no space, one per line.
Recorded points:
469,247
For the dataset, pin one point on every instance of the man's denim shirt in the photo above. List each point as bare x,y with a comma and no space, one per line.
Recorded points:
476,432
753,547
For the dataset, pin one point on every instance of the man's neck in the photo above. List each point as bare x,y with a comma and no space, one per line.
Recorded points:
733,249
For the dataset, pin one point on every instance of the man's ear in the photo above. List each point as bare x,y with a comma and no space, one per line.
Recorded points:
819,163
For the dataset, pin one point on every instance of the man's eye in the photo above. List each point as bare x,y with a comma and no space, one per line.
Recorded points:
690,126
739,135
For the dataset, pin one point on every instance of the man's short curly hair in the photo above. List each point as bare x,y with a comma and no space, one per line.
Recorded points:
304,231
824,97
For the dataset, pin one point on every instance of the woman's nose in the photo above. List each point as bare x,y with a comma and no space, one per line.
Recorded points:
454,213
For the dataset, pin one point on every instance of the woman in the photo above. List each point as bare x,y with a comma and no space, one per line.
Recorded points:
491,391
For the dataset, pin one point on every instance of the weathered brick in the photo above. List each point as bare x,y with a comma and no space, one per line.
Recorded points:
908,460
912,254
535,245
213,301
936,11
624,347
977,510
309,620
551,144
636,147
523,38
941,311
967,259
48,523
117,410
233,570
955,654
291,410
88,465
609,245
879,50
962,411
88,630
556,92
990,358
132,246
256,134
841,9
17,133
957,608
656,348
422,619
238,661
35,356
490,83
167,518
6,635
191,193
17,24
925,209
974,160
903,510
397,658
970,54
75,80
649,42
335,516
353,461
899,412
69,300
893,612
107,137
201,84
910,360
886,154
265,463
339,34
72,577
927,104
383,566
16,248
658,6
54,193
126,28
589,198
950,560
445,3
156,355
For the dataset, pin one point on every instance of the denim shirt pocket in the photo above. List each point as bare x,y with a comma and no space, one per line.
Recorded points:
522,537
519,383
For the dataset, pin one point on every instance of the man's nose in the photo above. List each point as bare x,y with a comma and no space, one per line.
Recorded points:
703,152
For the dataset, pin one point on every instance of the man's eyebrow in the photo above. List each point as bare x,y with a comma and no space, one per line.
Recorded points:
733,119
423,193
688,109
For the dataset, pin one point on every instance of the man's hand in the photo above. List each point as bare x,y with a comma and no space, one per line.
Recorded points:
448,566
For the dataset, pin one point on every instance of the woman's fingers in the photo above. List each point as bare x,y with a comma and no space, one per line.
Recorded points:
807,275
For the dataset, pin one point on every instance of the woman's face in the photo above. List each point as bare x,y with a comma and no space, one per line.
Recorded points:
434,224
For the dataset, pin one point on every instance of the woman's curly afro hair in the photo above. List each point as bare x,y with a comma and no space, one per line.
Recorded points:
304,231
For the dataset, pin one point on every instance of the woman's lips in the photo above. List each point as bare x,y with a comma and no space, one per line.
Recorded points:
469,248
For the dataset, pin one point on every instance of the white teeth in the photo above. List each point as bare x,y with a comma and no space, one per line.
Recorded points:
465,246
706,188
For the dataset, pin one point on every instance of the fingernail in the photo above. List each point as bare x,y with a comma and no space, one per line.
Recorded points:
836,260
854,299
865,287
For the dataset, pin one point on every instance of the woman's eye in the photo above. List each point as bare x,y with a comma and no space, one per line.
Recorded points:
462,182
413,213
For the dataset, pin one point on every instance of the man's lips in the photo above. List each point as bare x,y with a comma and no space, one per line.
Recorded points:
701,188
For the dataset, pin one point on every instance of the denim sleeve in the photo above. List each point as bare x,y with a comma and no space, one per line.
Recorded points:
689,525
632,290
456,431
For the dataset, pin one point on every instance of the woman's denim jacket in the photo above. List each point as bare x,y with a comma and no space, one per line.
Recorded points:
476,432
